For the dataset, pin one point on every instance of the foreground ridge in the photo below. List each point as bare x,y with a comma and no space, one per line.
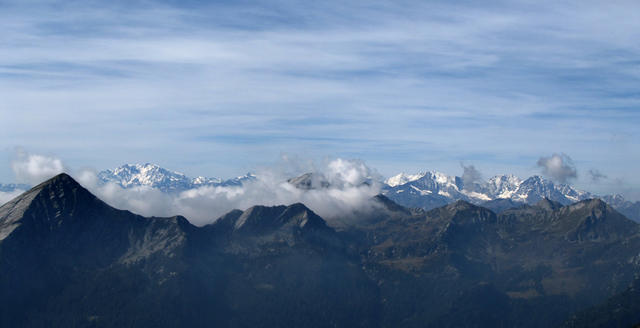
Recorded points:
69,259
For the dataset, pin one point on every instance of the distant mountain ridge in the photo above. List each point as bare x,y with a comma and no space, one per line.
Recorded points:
530,190
154,176
13,187
432,189
426,190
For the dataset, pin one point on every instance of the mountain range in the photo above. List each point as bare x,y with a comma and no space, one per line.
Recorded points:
434,189
438,186
426,190
154,176
69,259
13,186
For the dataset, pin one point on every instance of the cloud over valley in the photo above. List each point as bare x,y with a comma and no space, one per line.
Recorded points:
350,186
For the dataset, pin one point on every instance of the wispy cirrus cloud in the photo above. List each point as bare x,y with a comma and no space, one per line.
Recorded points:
405,85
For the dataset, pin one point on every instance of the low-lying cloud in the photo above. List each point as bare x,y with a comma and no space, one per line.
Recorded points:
558,167
6,196
350,190
351,186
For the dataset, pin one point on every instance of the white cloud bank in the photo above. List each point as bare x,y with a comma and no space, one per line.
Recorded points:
351,189
6,196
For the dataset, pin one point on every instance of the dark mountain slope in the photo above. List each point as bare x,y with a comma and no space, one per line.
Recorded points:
69,260
501,204
535,265
65,254
621,310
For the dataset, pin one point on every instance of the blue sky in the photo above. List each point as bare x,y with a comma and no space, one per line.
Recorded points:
219,88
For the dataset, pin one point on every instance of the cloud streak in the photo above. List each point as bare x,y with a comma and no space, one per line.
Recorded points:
596,175
225,84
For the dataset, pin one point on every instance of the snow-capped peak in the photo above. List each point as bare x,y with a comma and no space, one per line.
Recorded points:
154,176
146,174
410,189
573,194
403,178
443,179
503,186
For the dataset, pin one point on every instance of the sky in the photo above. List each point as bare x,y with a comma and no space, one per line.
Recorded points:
220,88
